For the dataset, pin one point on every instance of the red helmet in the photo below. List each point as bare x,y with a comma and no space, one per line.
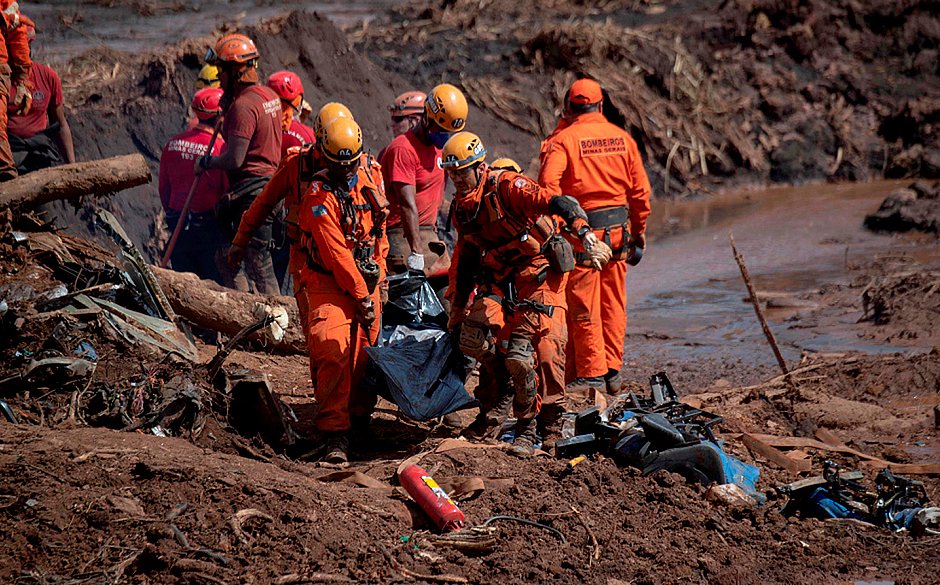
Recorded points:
286,85
232,49
410,103
206,103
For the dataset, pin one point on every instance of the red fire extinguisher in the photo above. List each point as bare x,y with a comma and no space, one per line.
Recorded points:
433,500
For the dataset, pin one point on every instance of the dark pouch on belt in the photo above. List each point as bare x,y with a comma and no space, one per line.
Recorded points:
559,253
239,190
370,272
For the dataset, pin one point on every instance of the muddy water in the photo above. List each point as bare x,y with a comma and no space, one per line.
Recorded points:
688,290
67,29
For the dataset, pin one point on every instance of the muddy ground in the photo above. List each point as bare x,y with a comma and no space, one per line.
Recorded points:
788,86
98,505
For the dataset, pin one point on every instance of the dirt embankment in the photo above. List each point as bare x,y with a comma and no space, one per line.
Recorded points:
121,103
778,90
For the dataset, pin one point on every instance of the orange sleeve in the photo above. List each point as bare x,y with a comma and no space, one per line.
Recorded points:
18,47
277,189
523,195
554,163
638,196
319,217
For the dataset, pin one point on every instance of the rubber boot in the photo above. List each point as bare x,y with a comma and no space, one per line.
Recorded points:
524,443
488,423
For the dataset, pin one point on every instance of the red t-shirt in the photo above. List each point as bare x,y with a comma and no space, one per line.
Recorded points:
410,161
297,135
46,95
177,176
256,116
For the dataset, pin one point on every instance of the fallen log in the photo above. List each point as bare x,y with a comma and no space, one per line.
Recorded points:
95,177
211,306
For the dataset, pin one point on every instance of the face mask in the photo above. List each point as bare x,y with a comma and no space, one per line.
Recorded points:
438,139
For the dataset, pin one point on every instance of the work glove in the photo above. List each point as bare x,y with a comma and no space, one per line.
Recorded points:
235,257
202,163
383,292
365,312
598,252
415,261
22,99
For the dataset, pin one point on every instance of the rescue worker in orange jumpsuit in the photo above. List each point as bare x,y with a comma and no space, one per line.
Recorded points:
599,164
289,183
15,65
550,351
342,220
509,252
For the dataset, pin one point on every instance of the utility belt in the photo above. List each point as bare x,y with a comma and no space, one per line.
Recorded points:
609,219
368,267
245,187
511,302
193,220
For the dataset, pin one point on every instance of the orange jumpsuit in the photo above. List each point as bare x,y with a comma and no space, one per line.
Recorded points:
290,181
15,65
338,231
499,255
599,164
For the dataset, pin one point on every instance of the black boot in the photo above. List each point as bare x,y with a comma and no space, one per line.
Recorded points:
524,443
335,447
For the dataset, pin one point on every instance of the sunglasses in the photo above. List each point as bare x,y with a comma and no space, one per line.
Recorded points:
398,119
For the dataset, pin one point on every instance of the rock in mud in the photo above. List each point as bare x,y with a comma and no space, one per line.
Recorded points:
915,208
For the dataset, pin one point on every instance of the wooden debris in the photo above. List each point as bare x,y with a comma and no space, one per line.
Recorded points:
96,177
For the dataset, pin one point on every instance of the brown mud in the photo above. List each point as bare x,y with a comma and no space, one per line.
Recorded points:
854,310
91,505
766,90
120,103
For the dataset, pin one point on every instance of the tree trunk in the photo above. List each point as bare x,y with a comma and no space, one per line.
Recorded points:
208,305
96,177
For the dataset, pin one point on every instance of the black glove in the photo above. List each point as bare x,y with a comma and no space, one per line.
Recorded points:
566,207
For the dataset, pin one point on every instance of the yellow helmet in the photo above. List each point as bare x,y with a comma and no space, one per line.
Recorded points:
447,107
462,150
341,141
208,77
506,164
329,112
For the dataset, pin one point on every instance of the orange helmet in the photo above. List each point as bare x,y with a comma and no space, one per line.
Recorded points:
233,49
341,141
329,112
447,107
410,103
206,103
